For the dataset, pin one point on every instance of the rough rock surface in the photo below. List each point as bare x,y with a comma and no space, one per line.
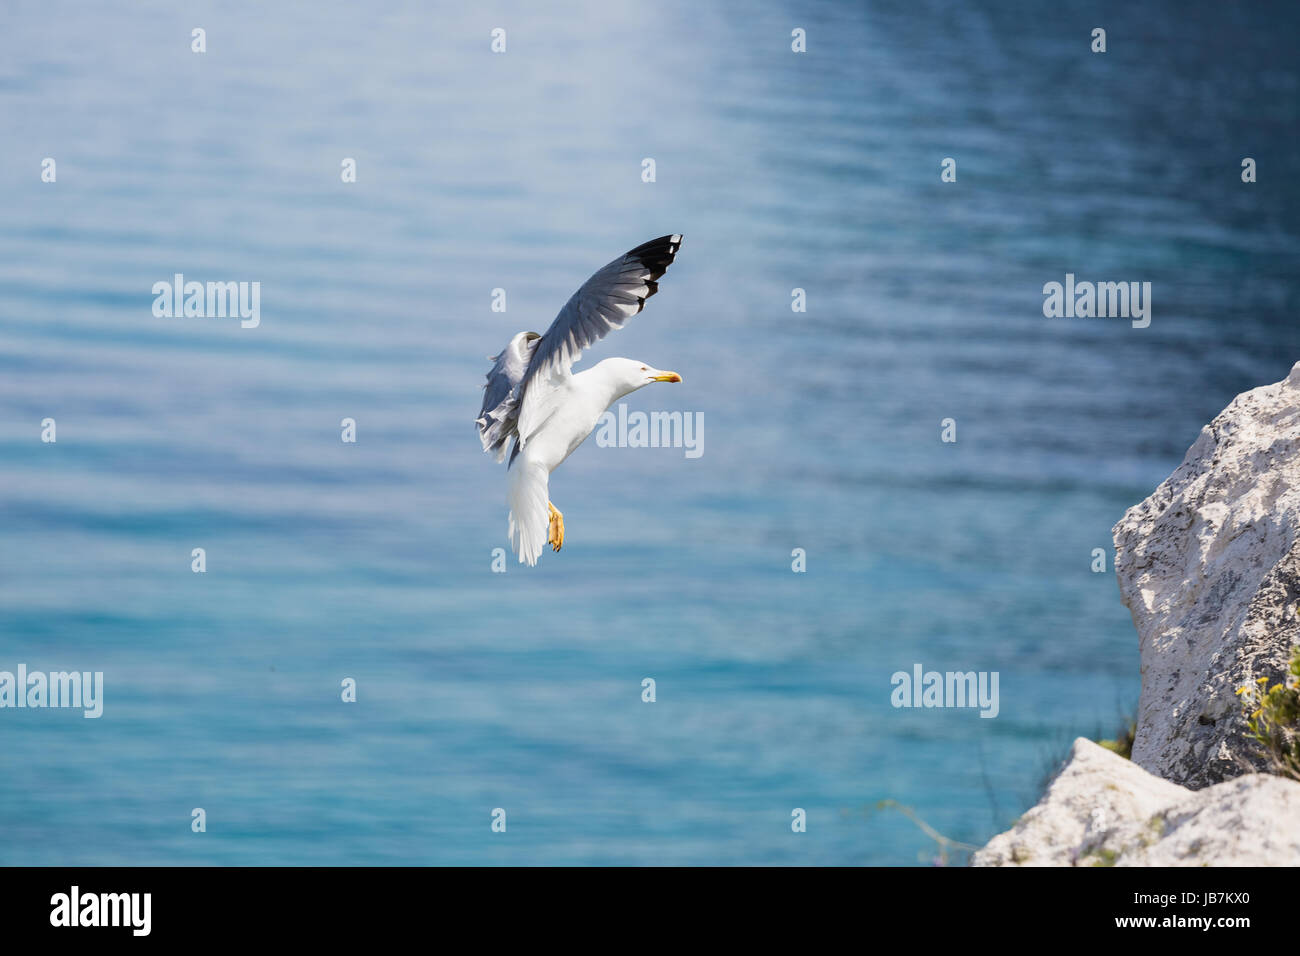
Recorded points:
1096,790
1209,566
1103,810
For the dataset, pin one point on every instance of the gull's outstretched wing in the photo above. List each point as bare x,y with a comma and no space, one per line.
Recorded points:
498,418
604,302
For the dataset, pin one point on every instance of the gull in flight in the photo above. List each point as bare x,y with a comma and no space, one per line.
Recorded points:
534,398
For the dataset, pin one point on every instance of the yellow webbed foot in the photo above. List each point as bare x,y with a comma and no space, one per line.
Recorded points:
555,535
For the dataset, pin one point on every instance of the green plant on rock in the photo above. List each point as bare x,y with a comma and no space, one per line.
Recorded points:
1102,857
1123,742
1272,716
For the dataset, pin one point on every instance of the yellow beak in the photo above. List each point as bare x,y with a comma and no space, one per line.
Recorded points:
668,377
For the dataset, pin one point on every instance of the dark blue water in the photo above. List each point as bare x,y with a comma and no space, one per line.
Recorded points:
522,171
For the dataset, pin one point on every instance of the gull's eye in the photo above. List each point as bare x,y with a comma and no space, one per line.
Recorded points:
643,368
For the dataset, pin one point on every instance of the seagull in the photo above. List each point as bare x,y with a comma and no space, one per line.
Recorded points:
533,397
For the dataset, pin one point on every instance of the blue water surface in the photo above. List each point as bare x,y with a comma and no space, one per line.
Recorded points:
522,171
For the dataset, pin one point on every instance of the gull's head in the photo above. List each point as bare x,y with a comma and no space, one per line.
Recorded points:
631,374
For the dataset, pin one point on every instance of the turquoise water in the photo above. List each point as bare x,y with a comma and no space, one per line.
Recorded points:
522,171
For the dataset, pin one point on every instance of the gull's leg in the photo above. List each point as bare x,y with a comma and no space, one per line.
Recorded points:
555,536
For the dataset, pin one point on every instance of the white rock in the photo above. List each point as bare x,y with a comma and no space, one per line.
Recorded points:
1209,566
1095,791
1103,810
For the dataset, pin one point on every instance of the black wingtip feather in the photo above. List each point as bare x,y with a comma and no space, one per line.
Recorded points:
657,255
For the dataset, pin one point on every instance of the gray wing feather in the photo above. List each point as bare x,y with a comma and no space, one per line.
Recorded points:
604,302
498,419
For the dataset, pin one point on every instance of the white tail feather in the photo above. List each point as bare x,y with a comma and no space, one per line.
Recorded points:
530,519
